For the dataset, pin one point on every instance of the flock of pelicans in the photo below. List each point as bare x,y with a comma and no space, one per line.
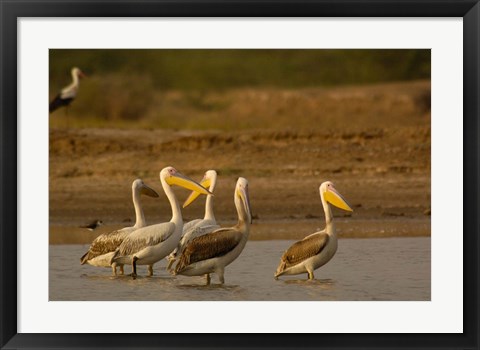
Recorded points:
199,247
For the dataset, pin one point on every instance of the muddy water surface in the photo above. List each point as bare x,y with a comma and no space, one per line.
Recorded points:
363,269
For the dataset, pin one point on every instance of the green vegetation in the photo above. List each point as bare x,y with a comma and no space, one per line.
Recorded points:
221,69
128,87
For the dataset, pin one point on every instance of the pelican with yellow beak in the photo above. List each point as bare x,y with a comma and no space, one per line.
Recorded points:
103,247
198,227
149,244
317,249
212,252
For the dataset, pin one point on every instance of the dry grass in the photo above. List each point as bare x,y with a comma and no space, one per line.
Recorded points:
383,105
373,142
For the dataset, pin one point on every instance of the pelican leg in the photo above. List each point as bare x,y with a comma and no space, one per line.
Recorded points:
207,277
122,271
310,275
150,270
220,276
114,269
134,266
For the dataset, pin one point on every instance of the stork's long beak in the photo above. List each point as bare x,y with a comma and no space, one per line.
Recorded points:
81,75
148,191
333,197
194,195
243,194
185,182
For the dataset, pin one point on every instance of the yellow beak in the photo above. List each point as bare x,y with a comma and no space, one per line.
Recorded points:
243,194
194,195
185,182
336,199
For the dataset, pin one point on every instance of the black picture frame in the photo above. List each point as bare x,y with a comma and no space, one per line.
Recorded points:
12,10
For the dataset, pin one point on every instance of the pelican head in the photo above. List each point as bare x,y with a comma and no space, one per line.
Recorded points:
209,181
77,72
242,199
171,176
139,186
331,195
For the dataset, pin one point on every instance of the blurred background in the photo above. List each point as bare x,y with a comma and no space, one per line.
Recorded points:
225,89
285,119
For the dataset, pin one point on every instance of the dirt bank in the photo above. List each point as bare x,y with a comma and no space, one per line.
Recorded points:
380,164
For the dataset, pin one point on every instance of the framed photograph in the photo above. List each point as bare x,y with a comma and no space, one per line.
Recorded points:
328,154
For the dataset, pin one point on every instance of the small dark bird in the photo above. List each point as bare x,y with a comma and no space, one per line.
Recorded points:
68,93
93,225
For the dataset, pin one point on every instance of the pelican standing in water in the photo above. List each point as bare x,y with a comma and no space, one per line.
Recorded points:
103,247
212,252
149,244
318,248
198,227
68,93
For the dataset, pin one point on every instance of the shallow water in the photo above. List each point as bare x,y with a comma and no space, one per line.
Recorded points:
362,269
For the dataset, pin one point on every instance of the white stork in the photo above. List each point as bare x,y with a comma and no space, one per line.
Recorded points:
68,93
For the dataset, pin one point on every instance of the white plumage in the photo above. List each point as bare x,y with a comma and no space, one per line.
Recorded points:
316,249
212,252
68,93
149,244
103,247
198,227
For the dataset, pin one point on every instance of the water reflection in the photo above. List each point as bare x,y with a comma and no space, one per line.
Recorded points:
350,275
323,283
211,286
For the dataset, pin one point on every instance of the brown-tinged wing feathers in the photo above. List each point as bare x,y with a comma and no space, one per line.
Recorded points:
105,243
148,236
209,246
305,249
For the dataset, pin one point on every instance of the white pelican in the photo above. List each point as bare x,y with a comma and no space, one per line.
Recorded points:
198,227
93,225
149,244
103,247
316,249
210,253
68,93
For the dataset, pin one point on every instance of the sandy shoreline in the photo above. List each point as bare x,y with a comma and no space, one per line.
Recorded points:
282,230
380,164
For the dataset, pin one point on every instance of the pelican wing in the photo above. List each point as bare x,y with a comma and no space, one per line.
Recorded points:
189,225
212,245
304,249
106,243
201,228
145,237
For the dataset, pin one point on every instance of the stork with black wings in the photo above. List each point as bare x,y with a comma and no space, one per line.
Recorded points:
68,93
